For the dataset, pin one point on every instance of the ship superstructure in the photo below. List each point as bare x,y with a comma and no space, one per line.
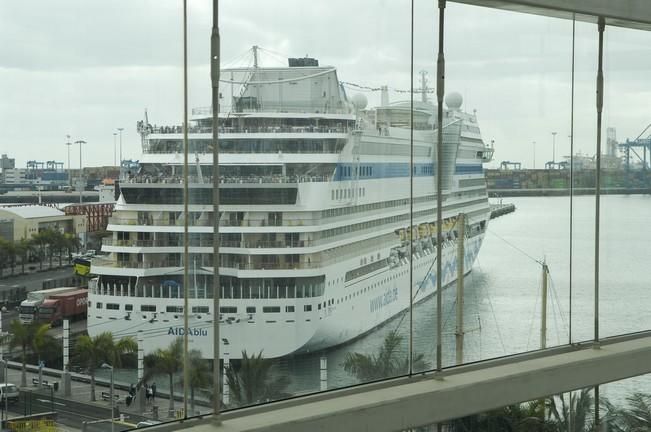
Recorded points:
315,222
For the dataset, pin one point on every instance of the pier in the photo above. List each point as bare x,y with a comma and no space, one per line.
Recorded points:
498,210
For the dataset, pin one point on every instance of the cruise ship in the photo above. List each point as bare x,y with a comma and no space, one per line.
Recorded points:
316,237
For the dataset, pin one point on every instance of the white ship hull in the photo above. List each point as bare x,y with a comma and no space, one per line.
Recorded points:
368,303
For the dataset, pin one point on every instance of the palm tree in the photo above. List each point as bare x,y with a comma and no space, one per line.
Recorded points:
50,237
524,417
71,243
23,249
103,348
635,417
167,361
574,414
40,239
252,380
28,336
4,255
200,374
387,363
9,250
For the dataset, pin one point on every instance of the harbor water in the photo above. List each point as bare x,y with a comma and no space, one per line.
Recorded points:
502,307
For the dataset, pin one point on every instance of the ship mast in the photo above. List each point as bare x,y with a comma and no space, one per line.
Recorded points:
423,85
255,56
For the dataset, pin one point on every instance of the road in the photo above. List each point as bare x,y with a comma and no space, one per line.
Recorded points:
70,413
34,281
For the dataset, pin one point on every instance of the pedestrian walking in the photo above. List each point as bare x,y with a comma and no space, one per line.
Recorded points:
153,392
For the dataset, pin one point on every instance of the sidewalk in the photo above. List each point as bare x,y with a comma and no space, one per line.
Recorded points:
80,393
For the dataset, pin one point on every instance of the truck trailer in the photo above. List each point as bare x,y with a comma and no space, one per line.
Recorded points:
68,305
29,307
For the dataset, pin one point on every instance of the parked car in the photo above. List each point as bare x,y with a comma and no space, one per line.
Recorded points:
10,391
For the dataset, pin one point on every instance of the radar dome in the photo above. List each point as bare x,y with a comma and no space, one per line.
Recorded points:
360,101
454,101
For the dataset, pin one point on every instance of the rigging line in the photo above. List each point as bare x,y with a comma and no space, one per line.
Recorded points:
555,297
283,58
515,247
555,315
490,302
497,327
276,53
238,58
279,81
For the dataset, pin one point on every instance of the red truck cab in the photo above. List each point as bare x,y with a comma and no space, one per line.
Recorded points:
69,305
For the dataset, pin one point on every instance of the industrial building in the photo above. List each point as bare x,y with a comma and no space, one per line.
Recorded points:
25,221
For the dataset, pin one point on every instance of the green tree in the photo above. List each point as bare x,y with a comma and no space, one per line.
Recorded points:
28,337
524,417
40,240
636,416
103,348
4,255
23,248
9,249
200,375
71,243
573,413
167,361
253,380
390,361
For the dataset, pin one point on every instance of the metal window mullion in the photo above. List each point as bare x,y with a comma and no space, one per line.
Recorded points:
214,75
440,91
600,103
186,198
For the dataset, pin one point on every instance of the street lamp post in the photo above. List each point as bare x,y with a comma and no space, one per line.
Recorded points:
554,147
68,143
120,130
108,366
115,135
81,188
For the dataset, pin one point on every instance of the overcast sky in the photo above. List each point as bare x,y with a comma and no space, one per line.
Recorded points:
85,67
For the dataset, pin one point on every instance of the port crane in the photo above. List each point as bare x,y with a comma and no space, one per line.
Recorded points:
507,165
630,147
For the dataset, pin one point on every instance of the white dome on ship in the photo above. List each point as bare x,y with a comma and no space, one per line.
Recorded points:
360,101
454,100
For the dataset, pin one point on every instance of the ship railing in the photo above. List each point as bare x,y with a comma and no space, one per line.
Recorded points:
265,244
252,129
101,262
154,243
159,222
144,179
274,266
204,150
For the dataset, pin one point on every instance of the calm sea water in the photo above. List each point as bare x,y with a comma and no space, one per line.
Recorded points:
503,291
502,308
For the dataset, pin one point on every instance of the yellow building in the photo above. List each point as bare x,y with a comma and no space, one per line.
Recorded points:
31,219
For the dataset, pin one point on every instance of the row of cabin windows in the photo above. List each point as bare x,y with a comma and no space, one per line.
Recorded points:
373,206
364,171
151,308
200,309
347,193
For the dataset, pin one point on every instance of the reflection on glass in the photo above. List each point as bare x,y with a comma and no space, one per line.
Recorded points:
625,232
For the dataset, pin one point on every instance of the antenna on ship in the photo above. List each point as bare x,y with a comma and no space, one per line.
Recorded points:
423,85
